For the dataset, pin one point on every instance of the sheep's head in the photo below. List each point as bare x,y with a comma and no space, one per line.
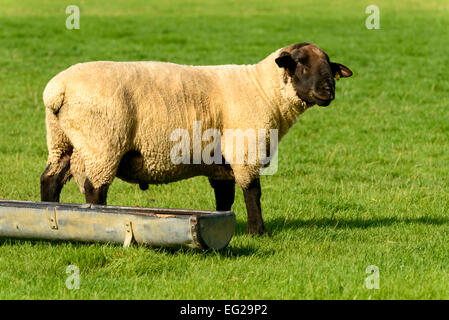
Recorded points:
311,72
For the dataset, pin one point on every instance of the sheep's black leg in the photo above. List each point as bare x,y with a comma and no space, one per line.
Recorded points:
95,195
143,186
252,196
51,185
224,193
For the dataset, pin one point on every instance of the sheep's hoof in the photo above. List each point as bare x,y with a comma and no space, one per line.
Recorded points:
255,230
143,186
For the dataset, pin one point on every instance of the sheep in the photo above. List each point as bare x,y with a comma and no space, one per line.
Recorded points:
115,119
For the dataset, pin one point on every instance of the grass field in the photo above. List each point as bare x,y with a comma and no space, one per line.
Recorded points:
362,182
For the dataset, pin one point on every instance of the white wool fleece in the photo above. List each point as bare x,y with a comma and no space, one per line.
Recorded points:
100,111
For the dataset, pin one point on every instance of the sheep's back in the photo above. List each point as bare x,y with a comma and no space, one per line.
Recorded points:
138,105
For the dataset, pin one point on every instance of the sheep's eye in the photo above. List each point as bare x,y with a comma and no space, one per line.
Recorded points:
304,69
302,59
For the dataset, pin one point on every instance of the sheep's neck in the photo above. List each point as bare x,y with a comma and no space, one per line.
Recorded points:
279,93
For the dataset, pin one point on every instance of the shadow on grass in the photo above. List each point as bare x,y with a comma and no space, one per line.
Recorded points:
231,251
279,224
50,242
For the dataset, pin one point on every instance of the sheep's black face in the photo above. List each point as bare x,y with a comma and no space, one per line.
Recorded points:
312,72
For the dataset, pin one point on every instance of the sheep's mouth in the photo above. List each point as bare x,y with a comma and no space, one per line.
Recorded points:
322,102
312,99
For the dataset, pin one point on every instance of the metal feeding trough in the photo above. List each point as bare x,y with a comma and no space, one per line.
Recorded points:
93,223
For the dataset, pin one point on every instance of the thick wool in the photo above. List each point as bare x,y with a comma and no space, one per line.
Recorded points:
116,118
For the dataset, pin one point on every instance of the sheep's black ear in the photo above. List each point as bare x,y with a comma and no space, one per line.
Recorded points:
340,71
286,61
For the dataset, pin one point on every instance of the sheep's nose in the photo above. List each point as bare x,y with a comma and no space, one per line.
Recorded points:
326,92
326,87
330,90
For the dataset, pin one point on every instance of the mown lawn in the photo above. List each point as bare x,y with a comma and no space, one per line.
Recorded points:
363,182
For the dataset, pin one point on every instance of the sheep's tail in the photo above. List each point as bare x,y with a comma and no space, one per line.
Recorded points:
59,146
54,94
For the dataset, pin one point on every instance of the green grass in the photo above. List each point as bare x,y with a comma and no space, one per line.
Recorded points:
362,182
